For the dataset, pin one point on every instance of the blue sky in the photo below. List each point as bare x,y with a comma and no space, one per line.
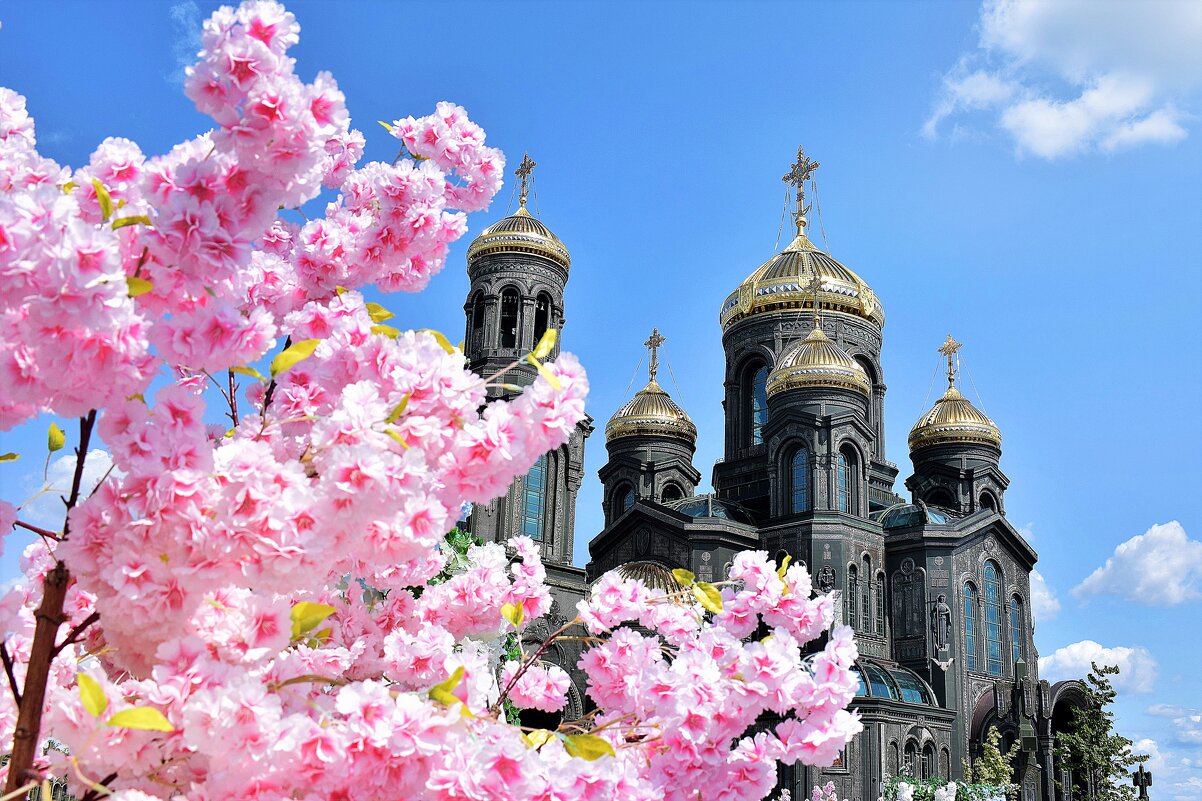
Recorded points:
1025,179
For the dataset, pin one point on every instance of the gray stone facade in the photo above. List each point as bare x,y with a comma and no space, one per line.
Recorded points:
926,705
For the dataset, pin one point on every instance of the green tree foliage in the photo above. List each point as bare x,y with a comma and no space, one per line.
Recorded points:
992,767
1099,757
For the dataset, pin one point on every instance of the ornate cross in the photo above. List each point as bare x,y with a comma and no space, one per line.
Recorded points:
949,349
797,175
1142,779
654,342
814,286
523,171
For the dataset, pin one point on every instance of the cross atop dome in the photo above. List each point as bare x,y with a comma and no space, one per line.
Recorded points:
654,342
524,171
797,175
949,349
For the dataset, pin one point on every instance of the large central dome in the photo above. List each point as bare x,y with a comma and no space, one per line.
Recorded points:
780,284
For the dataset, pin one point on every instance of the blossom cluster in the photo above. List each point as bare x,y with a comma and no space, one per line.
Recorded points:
279,613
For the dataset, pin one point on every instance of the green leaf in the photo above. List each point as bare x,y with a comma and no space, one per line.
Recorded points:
340,290
708,596
387,126
386,330
307,616
55,439
293,355
398,410
138,286
543,349
123,222
683,577
513,614
444,692
784,566
552,379
392,432
587,746
442,340
535,739
69,187
93,697
140,717
378,313
9,457
250,371
103,197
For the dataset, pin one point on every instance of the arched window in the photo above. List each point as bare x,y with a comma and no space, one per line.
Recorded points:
928,761
894,758
623,499
476,323
911,766
542,316
945,763
758,403
799,481
853,592
1016,629
988,501
940,497
509,318
970,627
848,490
534,500
880,603
993,619
866,598
672,493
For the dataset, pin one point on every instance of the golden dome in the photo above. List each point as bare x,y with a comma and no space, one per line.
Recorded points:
954,419
654,576
817,362
781,284
520,232
651,412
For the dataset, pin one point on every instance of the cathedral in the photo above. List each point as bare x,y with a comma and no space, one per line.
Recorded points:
936,585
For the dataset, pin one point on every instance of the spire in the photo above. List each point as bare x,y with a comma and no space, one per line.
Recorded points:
949,349
653,343
523,171
797,175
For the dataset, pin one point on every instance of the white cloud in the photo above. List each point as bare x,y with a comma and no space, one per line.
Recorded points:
1137,667
1044,603
1161,567
47,510
1077,76
1187,723
185,20
1148,746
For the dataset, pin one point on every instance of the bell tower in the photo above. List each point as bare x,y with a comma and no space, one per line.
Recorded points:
518,271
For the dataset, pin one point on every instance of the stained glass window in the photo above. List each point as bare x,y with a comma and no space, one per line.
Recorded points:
534,500
799,475
759,404
853,591
1016,629
970,627
993,620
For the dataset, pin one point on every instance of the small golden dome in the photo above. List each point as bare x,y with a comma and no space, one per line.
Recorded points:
781,284
651,412
520,232
654,576
817,362
954,419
